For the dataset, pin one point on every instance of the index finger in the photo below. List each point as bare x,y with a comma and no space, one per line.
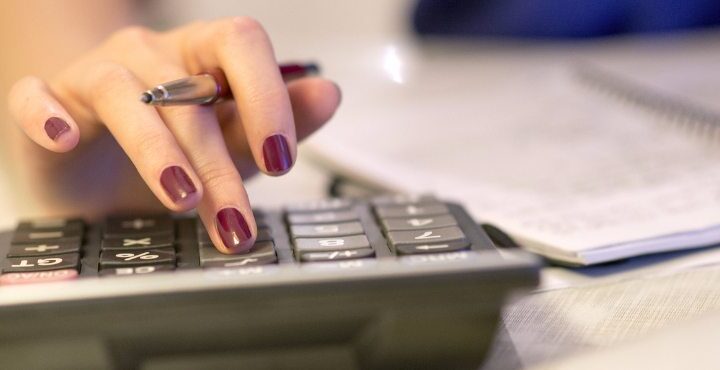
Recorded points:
242,49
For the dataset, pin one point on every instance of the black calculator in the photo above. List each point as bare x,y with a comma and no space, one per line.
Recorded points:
390,282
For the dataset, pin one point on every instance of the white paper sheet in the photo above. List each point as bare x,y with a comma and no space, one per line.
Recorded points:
571,172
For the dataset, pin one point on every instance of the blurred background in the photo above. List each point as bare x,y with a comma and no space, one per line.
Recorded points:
434,92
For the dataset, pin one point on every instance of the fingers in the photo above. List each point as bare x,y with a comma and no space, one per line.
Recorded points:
224,208
41,116
314,101
242,49
112,92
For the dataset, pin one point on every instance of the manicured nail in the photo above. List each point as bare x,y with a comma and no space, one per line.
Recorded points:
233,229
277,154
54,127
177,183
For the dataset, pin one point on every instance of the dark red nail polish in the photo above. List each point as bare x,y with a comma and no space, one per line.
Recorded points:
177,183
277,154
54,127
233,229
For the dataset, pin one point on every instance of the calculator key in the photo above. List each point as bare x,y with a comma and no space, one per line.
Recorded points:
136,270
322,217
260,254
264,235
340,265
16,278
137,257
261,222
333,204
417,223
138,242
403,199
412,210
132,226
331,244
432,248
244,262
44,249
432,236
31,236
74,224
316,231
203,236
47,263
347,254
421,259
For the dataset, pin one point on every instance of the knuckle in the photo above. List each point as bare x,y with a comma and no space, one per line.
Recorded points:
28,83
150,144
267,99
189,114
232,28
107,75
132,36
245,24
22,90
215,176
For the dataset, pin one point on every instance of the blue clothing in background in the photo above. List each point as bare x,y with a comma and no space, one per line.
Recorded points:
561,18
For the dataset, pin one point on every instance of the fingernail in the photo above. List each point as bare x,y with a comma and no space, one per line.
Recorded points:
177,183
233,229
277,154
54,127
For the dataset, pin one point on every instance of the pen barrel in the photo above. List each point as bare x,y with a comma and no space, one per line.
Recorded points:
198,89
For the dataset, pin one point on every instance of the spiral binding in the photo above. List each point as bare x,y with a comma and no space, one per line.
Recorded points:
686,114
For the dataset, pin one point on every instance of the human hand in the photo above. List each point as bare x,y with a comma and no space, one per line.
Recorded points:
188,156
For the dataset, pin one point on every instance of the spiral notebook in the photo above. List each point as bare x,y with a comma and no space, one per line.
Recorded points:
583,153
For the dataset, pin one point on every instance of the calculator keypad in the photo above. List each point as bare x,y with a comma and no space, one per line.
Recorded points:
332,233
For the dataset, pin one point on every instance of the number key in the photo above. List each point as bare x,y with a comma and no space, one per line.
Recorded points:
331,244
315,231
431,236
322,217
417,223
412,210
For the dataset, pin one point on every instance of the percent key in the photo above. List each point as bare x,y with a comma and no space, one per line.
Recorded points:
158,256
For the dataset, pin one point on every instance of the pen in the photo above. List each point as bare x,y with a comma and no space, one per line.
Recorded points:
211,86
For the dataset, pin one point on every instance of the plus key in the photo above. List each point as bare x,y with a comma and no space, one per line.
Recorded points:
44,249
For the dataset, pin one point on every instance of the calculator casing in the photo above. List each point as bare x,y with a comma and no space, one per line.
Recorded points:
436,311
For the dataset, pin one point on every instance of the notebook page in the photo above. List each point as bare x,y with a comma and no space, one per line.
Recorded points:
564,168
